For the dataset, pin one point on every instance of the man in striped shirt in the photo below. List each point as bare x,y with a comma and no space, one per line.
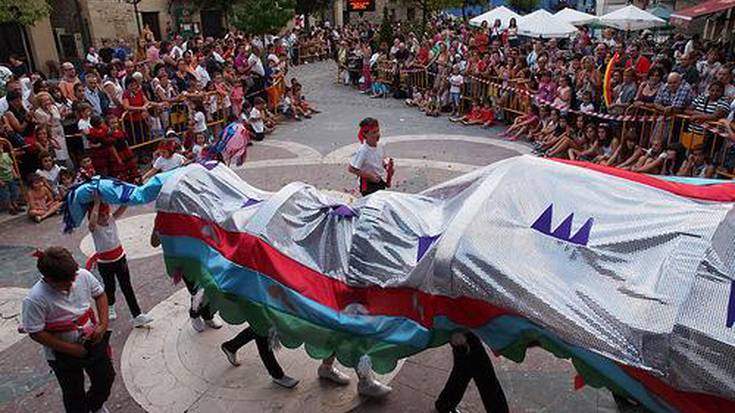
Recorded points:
709,106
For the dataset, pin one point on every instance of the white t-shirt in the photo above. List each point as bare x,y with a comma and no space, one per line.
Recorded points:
84,126
256,65
44,305
256,120
370,159
52,176
202,76
456,82
165,165
200,122
105,239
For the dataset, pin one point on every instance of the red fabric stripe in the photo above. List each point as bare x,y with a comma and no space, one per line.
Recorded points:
718,192
253,253
108,256
682,401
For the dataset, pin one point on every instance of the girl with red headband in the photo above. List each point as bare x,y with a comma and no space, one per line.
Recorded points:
167,159
369,163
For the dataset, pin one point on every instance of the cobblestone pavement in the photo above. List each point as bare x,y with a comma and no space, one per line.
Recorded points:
427,151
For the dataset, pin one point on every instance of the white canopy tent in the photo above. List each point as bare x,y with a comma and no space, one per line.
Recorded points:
503,13
575,17
543,24
631,18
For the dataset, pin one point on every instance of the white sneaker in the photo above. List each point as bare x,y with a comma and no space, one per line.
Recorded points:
286,381
198,324
141,320
213,323
372,388
111,313
102,409
331,373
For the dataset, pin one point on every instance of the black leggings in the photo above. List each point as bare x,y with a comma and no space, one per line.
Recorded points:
266,355
205,311
109,271
70,370
472,363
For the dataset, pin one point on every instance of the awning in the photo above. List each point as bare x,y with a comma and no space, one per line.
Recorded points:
703,9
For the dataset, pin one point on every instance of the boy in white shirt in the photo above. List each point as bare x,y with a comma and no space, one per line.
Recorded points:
58,314
456,80
369,163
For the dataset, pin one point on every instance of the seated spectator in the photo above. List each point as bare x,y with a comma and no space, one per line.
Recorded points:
50,173
648,89
624,93
697,165
41,202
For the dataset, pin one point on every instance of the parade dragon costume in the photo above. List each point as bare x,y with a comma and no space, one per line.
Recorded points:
629,276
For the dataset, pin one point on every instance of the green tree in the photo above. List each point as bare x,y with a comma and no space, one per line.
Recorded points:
309,7
523,6
468,3
25,12
262,16
385,34
428,7
226,6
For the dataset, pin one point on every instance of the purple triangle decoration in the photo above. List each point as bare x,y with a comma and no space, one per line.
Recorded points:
582,236
209,165
250,202
731,306
564,230
543,223
342,211
424,244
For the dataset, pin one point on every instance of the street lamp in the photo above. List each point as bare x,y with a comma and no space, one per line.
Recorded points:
135,8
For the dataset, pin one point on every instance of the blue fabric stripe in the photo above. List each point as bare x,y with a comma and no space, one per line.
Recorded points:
498,333
254,286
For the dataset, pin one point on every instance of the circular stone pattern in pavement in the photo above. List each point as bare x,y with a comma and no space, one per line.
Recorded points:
171,368
11,299
134,234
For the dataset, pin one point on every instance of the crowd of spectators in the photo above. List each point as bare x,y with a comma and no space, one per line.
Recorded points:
87,117
551,92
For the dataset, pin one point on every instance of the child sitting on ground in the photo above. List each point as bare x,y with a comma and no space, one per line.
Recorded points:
50,173
523,124
9,190
41,202
472,116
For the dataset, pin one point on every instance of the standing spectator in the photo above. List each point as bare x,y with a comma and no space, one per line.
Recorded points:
96,98
674,97
68,80
637,61
92,56
136,104
688,70
17,66
48,115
